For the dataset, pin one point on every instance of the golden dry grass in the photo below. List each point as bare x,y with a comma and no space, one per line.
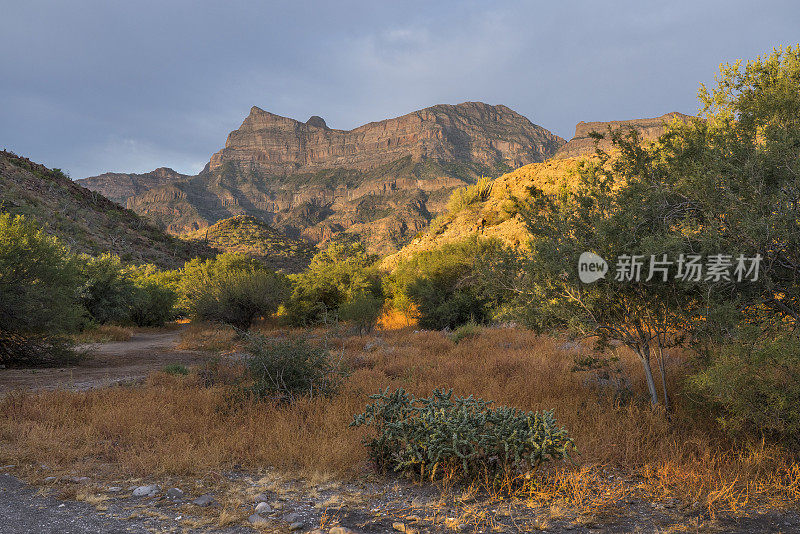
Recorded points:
173,426
104,333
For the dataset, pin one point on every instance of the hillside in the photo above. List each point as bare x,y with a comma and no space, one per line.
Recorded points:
84,220
250,236
494,217
384,180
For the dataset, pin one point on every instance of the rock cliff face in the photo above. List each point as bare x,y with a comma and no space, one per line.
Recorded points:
120,186
472,132
383,180
583,145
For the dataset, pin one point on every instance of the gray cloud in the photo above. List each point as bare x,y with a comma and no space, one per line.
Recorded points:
94,86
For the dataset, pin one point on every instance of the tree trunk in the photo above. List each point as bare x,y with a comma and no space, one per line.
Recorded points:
644,355
662,368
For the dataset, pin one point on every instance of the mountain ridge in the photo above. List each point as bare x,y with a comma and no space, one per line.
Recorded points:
385,179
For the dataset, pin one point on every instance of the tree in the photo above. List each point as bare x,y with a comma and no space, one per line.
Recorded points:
231,288
107,291
726,184
38,288
335,276
440,285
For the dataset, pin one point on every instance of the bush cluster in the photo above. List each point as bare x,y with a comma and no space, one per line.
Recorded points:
755,388
285,369
459,436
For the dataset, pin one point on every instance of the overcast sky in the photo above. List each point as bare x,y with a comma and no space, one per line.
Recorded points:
130,86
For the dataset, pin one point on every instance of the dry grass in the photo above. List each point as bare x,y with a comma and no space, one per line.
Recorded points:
104,334
207,336
173,426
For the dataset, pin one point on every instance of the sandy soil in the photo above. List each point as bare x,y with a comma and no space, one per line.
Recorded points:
106,364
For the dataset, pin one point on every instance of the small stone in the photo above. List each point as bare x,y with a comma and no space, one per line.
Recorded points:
10,466
50,479
256,519
341,530
261,497
114,489
146,491
80,480
291,518
174,494
204,500
296,526
401,527
263,508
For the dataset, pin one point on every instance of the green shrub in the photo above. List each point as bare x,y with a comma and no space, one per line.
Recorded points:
152,304
461,436
286,369
39,284
465,331
465,196
176,369
363,312
442,286
231,289
755,388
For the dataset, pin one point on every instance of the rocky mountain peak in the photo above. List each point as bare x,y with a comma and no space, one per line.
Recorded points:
470,132
317,121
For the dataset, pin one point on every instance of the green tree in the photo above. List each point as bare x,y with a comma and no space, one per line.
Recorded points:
107,290
39,283
441,286
154,297
725,183
231,288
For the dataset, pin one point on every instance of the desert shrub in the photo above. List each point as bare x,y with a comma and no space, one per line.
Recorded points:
231,289
107,291
363,312
463,197
286,369
755,388
462,436
465,331
335,276
39,283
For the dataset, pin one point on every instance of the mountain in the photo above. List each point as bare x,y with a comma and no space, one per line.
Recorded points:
384,180
247,235
119,186
85,220
495,216
582,144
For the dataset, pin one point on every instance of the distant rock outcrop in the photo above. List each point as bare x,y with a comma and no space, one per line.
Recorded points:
582,144
120,186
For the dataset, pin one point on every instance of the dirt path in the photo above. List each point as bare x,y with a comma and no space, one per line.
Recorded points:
106,364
